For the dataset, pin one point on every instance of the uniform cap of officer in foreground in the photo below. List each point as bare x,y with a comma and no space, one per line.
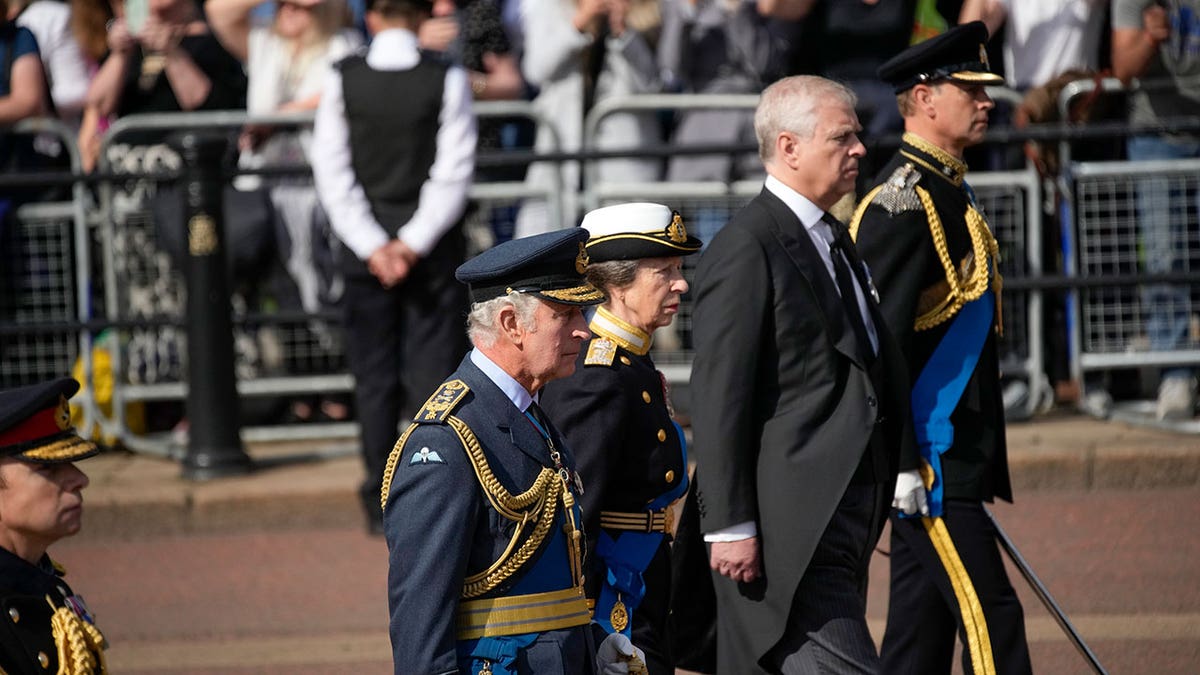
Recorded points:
958,54
550,266
35,424
637,230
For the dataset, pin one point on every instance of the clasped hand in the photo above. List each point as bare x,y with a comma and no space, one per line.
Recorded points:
392,262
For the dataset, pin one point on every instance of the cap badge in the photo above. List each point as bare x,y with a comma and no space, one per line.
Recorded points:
676,232
62,416
983,57
581,260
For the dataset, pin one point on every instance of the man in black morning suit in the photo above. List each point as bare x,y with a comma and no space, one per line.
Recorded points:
799,402
934,258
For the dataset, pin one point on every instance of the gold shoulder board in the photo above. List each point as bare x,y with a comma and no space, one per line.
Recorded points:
898,193
442,403
601,352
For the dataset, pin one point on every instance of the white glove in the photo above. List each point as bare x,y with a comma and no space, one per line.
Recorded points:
910,493
618,656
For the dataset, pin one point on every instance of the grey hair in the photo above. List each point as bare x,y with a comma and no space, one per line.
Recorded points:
791,105
612,274
481,320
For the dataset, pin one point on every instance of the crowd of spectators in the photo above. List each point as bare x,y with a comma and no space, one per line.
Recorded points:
102,59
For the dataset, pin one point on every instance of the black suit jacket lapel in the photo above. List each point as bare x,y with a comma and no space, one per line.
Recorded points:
790,232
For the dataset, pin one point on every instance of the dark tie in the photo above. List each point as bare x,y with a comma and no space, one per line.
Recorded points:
539,417
846,286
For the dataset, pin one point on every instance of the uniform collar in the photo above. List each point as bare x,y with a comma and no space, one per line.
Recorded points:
605,324
933,158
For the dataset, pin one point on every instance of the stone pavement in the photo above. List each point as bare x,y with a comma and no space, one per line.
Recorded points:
314,483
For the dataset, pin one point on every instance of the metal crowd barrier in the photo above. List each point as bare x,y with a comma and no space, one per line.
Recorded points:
42,281
1109,236
142,285
1113,323
139,294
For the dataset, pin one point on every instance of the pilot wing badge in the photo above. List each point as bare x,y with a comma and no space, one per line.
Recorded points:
426,456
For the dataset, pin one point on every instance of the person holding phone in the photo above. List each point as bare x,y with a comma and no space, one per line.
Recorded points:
168,62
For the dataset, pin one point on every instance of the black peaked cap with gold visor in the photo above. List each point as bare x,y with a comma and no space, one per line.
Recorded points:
637,230
35,424
549,265
959,54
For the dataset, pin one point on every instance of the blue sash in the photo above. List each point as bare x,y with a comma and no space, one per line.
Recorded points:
627,556
940,387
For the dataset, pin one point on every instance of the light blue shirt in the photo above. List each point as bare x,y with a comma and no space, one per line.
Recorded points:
516,393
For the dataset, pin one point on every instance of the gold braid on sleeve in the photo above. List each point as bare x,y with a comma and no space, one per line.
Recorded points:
80,644
961,291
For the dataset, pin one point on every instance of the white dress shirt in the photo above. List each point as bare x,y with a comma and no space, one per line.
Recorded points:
443,196
822,236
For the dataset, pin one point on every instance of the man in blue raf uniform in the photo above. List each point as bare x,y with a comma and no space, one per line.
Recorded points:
484,532
41,619
934,258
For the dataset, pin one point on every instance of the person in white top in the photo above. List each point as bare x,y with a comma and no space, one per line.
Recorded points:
1042,39
66,69
394,153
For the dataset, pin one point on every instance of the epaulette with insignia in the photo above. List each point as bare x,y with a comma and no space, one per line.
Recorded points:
601,352
898,194
442,403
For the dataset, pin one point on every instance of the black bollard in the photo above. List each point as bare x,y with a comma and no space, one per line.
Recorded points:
214,442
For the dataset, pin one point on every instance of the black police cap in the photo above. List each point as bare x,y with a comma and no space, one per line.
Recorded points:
35,424
958,54
549,265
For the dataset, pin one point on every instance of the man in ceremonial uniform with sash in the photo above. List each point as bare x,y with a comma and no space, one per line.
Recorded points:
480,494
934,257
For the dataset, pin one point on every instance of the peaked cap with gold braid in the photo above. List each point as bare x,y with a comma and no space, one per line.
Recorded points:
35,424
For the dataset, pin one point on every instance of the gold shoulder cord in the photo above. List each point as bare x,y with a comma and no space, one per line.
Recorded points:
389,469
984,248
80,644
536,505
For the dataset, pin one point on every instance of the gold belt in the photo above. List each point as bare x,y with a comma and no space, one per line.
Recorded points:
641,521
519,614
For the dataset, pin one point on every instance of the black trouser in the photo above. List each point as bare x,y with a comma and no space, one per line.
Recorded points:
924,613
401,343
827,626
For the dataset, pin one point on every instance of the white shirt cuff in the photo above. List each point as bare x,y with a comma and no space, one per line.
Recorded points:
737,532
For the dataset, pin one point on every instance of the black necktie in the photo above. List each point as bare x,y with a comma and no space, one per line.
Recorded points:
846,286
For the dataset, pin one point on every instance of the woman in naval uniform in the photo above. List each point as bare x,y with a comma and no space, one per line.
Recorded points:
617,419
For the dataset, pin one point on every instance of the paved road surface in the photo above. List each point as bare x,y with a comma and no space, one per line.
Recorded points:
1125,566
